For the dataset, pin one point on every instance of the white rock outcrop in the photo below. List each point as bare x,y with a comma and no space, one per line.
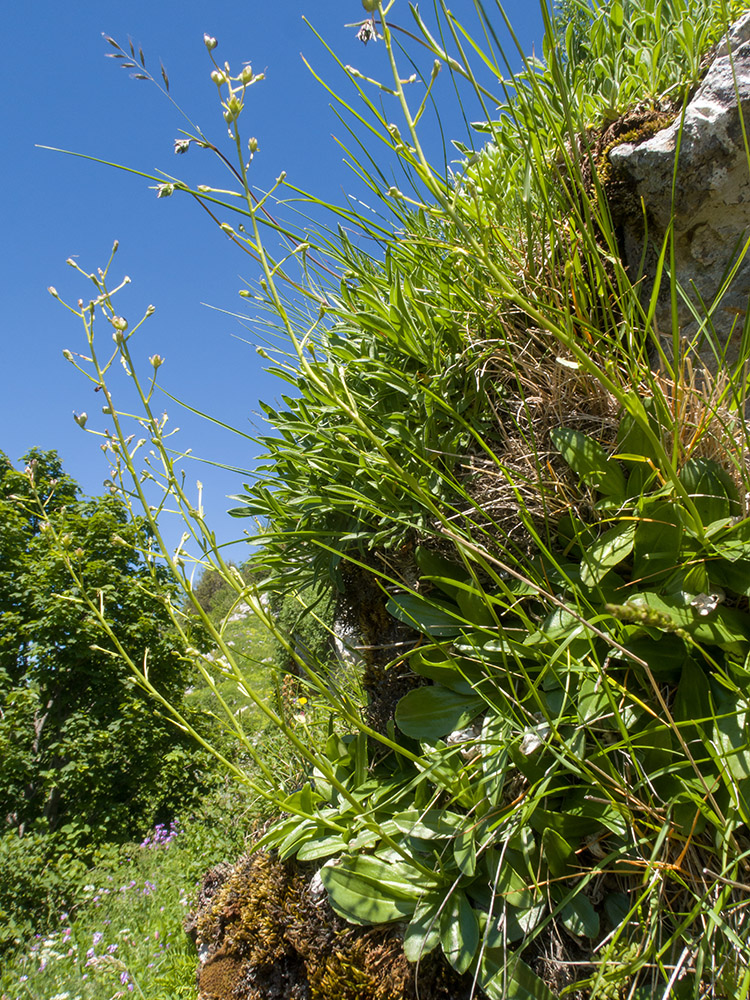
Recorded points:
711,201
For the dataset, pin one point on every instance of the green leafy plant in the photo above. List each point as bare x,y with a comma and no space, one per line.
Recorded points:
545,537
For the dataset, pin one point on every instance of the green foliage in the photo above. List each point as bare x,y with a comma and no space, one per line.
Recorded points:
216,596
570,760
87,754
307,618
122,925
86,759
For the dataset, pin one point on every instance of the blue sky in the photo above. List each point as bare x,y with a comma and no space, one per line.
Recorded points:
60,90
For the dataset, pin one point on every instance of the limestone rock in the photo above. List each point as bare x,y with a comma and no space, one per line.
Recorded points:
711,199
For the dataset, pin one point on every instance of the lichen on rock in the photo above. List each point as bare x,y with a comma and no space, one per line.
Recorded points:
709,208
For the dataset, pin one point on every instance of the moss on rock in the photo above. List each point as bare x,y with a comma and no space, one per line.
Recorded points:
264,933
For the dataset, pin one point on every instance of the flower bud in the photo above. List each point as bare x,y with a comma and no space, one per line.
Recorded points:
119,323
80,418
370,5
181,146
210,42
252,145
246,76
115,246
156,361
218,77
150,311
233,108
164,190
79,552
68,355
53,292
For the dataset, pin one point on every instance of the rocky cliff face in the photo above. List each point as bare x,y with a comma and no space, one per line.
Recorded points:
698,166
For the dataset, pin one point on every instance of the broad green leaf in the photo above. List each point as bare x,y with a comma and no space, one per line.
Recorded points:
617,906
574,534
437,666
734,576
435,823
423,933
589,460
614,545
711,488
465,852
725,627
433,617
656,545
365,890
664,652
427,713
514,886
459,931
325,847
578,818
504,976
440,571
636,451
655,746
580,917
304,830
592,702
304,799
558,852
731,725
520,922
279,831
733,542
558,624
476,607
692,704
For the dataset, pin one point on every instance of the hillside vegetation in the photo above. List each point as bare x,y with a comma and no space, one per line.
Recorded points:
530,514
